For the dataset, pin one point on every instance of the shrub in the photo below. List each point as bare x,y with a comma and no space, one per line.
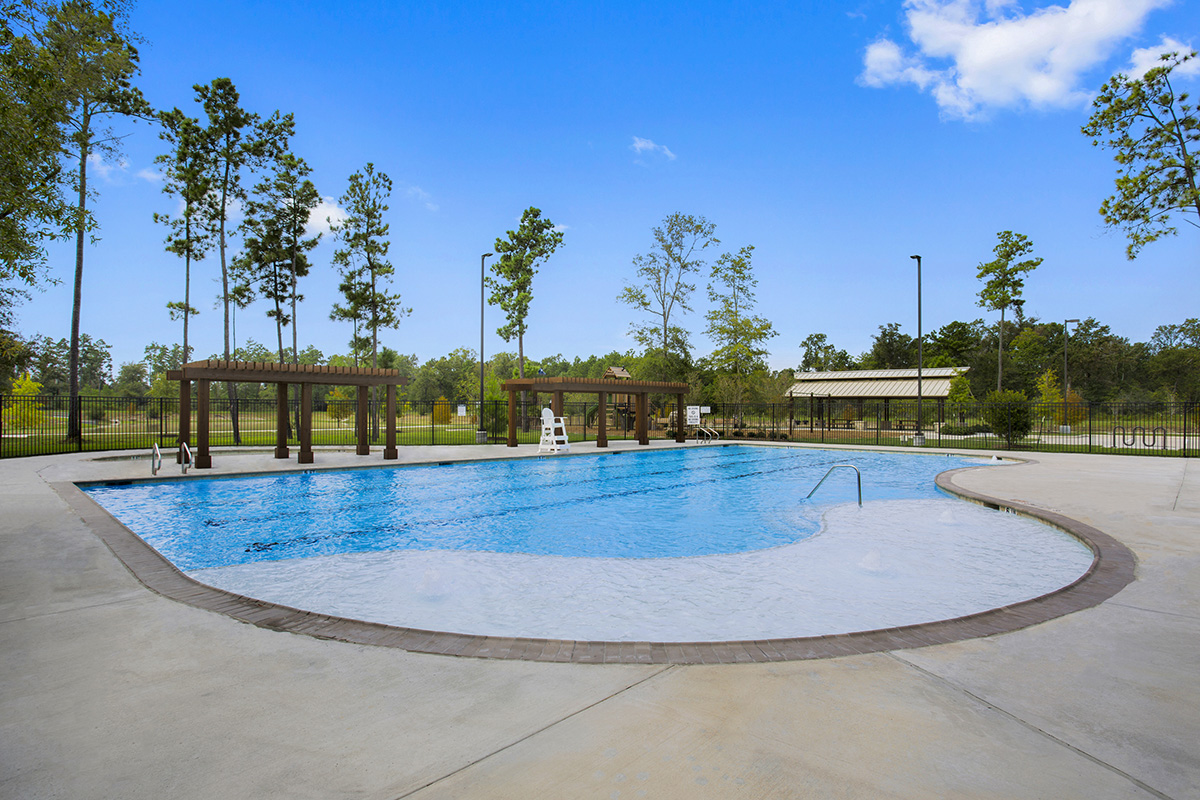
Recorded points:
1008,414
964,430
23,409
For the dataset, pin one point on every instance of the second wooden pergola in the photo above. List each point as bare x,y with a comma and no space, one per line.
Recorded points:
604,387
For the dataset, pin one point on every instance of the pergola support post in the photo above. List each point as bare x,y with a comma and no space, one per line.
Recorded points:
389,451
680,433
306,451
512,418
556,404
185,419
203,459
281,420
363,445
602,418
643,413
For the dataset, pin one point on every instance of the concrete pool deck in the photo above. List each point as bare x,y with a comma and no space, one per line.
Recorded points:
111,690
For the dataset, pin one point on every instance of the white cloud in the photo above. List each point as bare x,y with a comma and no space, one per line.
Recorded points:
974,56
325,214
1146,58
641,145
150,175
421,196
103,168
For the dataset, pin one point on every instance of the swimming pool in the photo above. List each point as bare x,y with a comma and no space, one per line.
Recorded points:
696,544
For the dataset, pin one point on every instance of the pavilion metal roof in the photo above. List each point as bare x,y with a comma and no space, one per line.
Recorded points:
875,383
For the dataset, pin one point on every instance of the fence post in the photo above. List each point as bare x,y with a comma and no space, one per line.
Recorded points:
1089,408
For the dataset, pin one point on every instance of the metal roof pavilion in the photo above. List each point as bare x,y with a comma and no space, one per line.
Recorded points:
875,384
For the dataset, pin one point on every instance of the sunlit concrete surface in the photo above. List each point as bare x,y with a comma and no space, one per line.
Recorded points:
110,690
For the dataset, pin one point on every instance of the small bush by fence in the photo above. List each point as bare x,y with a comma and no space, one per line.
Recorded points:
37,425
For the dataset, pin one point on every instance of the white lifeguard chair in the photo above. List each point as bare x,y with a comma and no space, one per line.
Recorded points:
554,434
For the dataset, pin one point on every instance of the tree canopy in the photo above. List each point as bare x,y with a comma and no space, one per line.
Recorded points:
1154,134
1004,282
534,240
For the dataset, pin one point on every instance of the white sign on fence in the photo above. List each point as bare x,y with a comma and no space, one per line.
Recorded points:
705,410
693,415
462,411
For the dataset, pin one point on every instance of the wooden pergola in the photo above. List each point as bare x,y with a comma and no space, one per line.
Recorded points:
641,391
205,372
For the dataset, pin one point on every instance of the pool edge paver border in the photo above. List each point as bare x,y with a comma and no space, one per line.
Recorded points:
1112,569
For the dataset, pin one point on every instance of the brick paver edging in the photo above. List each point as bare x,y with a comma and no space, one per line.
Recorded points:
1111,570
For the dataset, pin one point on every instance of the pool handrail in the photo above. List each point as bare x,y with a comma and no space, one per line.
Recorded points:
155,460
185,456
831,469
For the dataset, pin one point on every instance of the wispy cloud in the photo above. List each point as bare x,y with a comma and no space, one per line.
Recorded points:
976,56
417,194
103,168
150,175
641,145
1146,58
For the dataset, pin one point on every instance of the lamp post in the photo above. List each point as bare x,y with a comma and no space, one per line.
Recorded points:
919,437
1066,383
481,432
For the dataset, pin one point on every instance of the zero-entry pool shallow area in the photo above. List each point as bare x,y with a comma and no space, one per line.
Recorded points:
691,544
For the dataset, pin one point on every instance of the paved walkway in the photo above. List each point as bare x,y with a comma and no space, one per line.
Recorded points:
110,690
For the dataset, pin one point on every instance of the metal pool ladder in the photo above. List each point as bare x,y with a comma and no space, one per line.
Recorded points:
831,469
155,460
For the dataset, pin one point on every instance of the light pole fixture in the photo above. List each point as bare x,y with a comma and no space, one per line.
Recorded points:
919,437
1065,425
482,282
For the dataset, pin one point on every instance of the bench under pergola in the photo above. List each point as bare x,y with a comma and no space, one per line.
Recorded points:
205,372
641,391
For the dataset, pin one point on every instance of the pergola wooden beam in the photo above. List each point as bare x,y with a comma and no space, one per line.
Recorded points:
602,387
203,373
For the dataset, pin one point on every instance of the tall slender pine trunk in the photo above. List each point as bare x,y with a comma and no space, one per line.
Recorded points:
74,409
230,386
1000,354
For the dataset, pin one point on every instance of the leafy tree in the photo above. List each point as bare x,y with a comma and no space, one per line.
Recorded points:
97,64
131,380
821,356
740,337
955,344
1155,135
32,115
188,175
237,140
534,240
1005,282
52,364
1008,414
1050,397
21,410
890,349
665,286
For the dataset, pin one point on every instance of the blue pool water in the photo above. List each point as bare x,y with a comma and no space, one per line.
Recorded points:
687,502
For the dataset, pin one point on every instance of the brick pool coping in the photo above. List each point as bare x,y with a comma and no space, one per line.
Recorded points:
1111,570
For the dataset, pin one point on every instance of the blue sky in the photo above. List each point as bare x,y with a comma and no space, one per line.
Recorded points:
837,138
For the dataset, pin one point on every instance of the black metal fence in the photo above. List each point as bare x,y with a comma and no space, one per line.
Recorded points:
38,425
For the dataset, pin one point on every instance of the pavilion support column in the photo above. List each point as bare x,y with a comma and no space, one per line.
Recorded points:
512,418
643,403
363,447
306,451
389,451
602,419
680,433
203,459
556,405
281,420
185,418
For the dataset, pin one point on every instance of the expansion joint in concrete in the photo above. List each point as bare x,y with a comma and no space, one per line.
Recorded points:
1030,726
540,730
